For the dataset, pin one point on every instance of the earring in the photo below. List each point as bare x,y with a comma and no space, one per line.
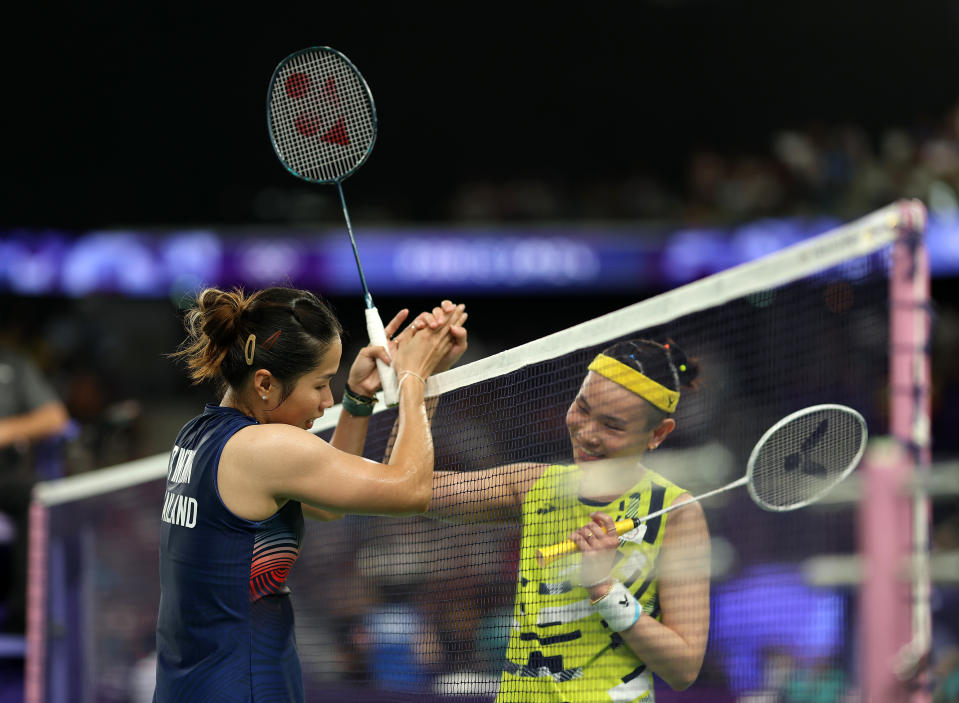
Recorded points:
263,396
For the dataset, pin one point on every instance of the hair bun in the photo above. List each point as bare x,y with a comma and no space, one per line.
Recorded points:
221,312
686,368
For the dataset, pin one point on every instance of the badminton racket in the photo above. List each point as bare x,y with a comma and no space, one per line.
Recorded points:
794,464
322,124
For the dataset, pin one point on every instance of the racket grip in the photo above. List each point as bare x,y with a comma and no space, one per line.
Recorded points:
377,335
549,554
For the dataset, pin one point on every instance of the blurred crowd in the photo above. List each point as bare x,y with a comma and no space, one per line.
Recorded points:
838,169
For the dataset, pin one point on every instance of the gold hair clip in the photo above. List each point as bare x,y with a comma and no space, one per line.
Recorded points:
249,349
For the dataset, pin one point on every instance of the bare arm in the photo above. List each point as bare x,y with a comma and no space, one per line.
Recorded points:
319,514
489,495
46,421
674,648
263,466
364,380
349,435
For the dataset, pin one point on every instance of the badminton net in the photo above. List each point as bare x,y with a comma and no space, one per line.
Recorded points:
391,609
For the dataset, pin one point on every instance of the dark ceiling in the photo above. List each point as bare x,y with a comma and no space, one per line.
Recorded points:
155,114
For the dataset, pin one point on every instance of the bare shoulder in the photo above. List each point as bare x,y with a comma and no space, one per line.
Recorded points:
269,453
688,519
688,498
246,473
271,442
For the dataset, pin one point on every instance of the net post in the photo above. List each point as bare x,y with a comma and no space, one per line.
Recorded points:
910,425
884,594
37,582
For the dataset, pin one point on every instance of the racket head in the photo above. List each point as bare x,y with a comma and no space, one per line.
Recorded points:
320,115
805,455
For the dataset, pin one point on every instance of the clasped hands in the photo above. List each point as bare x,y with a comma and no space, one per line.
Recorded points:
446,321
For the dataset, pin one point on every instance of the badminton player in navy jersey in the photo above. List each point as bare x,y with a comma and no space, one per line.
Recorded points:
243,473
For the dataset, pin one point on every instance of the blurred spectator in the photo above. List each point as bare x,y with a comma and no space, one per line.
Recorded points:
822,682
778,666
401,646
841,170
29,411
946,674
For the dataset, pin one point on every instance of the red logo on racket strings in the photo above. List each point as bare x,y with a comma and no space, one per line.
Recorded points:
310,123
337,134
297,85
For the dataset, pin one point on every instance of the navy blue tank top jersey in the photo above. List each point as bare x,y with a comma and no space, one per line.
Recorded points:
225,626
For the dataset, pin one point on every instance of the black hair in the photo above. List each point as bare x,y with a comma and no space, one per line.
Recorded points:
664,362
292,328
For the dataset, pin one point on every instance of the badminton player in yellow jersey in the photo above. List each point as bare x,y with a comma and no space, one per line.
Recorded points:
595,625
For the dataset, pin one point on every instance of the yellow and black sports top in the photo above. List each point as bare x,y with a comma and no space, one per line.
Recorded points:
560,650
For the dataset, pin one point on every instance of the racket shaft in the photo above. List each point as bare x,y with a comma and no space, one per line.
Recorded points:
377,335
549,554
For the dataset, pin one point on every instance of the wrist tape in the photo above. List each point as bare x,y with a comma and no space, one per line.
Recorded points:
619,608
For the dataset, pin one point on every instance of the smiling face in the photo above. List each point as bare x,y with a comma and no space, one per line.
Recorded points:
608,421
311,395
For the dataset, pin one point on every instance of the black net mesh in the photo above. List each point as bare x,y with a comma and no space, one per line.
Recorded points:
395,609
427,606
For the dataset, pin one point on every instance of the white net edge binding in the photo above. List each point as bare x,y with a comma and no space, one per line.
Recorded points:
855,239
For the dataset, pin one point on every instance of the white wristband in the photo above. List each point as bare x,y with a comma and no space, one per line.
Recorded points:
619,608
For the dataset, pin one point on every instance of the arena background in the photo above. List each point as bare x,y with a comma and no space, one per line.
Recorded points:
619,128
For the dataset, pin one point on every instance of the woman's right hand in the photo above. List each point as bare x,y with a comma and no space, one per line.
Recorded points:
423,348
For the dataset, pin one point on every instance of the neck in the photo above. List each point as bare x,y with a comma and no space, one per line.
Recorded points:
607,479
231,399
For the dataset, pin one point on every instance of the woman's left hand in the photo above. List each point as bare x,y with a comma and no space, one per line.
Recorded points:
436,319
598,542
364,378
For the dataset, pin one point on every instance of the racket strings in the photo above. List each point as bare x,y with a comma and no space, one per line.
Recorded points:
804,458
321,116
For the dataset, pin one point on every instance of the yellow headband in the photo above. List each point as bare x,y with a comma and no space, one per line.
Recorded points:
628,377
